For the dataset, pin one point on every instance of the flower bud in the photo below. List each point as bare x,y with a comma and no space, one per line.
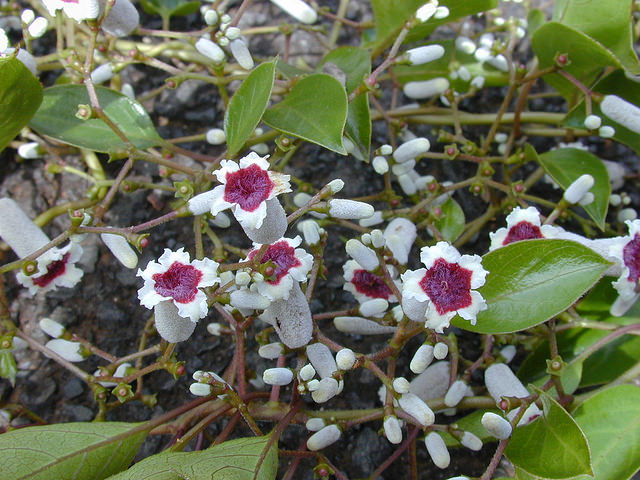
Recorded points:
414,406
441,12
298,10
624,215
361,326
123,19
277,376
70,351
314,424
437,450
323,438
470,441
425,54
38,27
345,359
271,351
200,389
322,359
374,307
216,136
496,425
211,17
29,150
214,328
380,165
310,231
327,389
502,382
411,149
307,372
478,82
18,230
426,11
401,385
51,327
508,353
465,45
120,248
241,53
399,237
102,74
374,219
414,310
620,111
433,382
210,50
606,131
426,88
247,299
392,430
592,122
365,256
421,359
587,199
455,394
313,385
221,220
440,350
349,209
578,189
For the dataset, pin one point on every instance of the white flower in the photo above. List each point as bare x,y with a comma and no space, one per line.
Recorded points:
426,11
177,279
200,389
81,9
345,359
447,285
365,285
465,45
626,250
522,224
123,19
102,73
314,424
471,441
38,27
440,350
291,318
298,10
456,393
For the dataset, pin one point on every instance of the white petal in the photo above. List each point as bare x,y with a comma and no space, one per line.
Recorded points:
226,166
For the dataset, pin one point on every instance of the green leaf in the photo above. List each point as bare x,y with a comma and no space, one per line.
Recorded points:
452,222
56,118
169,8
531,281
315,110
356,64
553,446
570,377
607,21
248,105
390,16
565,165
535,19
20,96
588,58
8,367
618,84
87,451
611,422
232,460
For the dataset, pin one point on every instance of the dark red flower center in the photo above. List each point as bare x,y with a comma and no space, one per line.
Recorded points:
179,282
631,257
54,270
448,285
248,187
283,256
522,231
370,285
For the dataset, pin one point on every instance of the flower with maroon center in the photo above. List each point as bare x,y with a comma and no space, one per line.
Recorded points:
447,285
174,277
522,224
56,268
245,189
77,9
366,285
626,250
289,264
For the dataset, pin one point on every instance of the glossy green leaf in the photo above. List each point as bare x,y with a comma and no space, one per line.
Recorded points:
607,21
618,84
452,222
565,165
170,8
553,446
611,422
588,58
56,118
20,96
8,367
248,105
356,64
315,110
531,281
535,19
391,16
570,377
232,460
88,451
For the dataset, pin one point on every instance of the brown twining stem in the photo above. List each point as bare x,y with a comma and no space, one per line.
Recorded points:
413,433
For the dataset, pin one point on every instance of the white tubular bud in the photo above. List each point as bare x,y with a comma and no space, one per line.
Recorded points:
626,214
426,88
70,351
588,199
464,73
38,27
414,309
437,450
377,238
374,219
502,382
210,50
298,10
470,441
421,359
426,11
349,209
128,90
310,231
221,220
241,53
27,16
441,12
211,17
380,165
312,385
260,148
170,325
51,327
440,350
401,385
214,328
392,430
300,199
425,54
248,299
465,45
307,372
455,394
271,351
216,136
242,278
403,168
592,122
619,110
361,326
277,376
578,189
399,236
123,19
414,406
345,359
315,424
482,54
478,82
119,246
496,425
407,184
606,131
365,257
411,149
433,382
232,33
499,62
322,359
373,307
29,150
327,389
508,353
336,185
21,234
323,438
200,389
